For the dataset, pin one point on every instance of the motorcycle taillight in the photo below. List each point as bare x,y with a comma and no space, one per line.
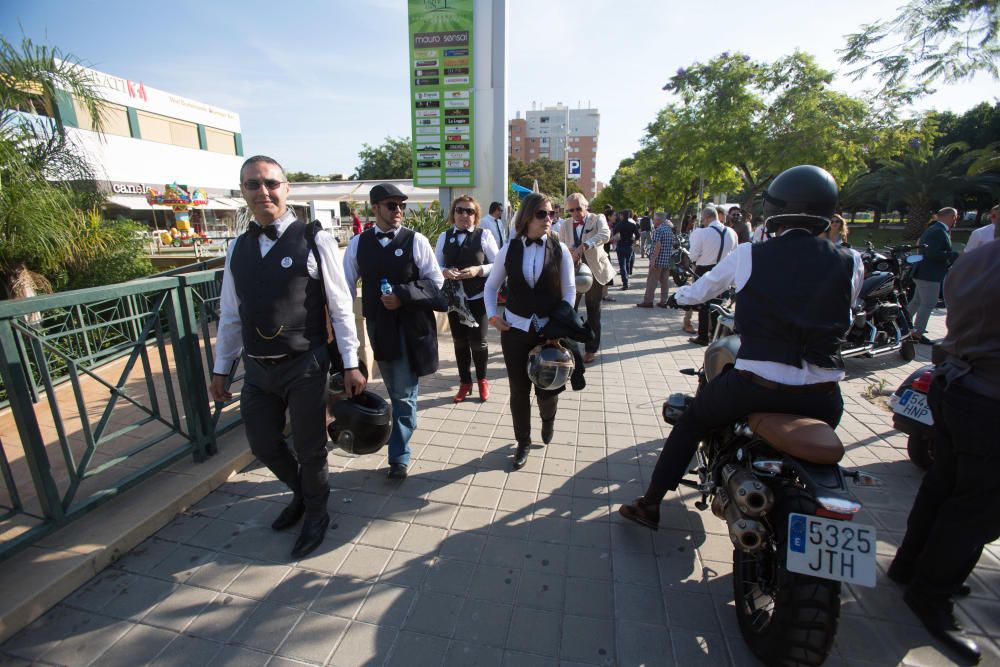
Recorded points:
923,383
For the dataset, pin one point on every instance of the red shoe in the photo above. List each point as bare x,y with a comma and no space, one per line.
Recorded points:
484,389
463,391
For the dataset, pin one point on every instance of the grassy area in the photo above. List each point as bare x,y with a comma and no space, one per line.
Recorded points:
880,238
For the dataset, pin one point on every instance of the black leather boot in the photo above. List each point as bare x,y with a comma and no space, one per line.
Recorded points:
313,532
291,514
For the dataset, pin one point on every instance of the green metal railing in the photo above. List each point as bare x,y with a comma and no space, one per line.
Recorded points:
106,386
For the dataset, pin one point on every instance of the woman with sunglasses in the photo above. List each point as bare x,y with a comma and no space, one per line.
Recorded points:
539,274
466,254
837,232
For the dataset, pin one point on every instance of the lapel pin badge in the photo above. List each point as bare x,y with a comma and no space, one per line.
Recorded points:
286,262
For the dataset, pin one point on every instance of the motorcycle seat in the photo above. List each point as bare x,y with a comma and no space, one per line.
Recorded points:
804,438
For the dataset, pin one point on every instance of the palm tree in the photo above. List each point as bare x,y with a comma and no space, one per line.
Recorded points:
39,213
926,177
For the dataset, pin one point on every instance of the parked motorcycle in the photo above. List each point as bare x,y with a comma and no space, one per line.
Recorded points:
681,266
912,416
899,260
775,480
881,324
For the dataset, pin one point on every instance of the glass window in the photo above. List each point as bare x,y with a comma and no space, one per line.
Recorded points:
114,118
220,141
154,127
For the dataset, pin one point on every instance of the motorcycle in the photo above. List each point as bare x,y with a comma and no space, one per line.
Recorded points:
681,267
912,416
880,322
775,480
899,260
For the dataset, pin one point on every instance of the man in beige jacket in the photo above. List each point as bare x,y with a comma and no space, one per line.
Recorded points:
585,234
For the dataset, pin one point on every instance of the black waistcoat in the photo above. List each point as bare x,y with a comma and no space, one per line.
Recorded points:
395,263
523,299
463,255
282,309
796,305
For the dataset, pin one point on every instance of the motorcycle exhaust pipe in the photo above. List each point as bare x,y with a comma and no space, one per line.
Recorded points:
856,351
746,534
879,351
752,497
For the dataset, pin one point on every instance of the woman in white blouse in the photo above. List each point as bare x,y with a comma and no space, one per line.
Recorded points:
466,253
539,274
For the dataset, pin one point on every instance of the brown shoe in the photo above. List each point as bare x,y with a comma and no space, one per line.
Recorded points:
689,328
663,305
643,305
589,357
642,514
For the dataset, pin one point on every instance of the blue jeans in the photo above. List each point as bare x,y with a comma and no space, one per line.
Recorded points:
626,256
402,384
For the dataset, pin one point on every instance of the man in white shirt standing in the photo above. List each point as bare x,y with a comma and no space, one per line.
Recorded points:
710,244
986,233
789,358
493,223
274,298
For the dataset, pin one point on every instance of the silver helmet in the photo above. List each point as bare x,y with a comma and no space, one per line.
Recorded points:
550,366
584,278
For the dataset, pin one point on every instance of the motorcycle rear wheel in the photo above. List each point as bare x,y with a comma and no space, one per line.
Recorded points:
908,350
920,449
680,278
785,618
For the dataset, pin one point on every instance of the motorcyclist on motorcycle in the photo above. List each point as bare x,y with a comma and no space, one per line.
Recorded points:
793,304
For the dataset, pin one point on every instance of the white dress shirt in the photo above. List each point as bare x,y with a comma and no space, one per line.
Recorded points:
531,265
495,228
489,249
339,299
423,257
705,243
735,269
980,237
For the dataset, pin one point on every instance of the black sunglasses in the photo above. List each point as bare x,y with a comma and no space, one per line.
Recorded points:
466,211
253,184
574,210
541,215
393,206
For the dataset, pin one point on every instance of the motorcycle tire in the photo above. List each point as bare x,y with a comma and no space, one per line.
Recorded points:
920,449
680,278
799,624
908,350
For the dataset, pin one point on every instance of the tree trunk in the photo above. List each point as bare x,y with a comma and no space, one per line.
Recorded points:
916,221
876,219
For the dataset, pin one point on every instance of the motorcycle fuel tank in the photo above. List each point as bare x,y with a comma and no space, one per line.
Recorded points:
877,284
719,355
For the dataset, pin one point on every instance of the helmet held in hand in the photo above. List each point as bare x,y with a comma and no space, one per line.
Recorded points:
550,366
584,278
361,424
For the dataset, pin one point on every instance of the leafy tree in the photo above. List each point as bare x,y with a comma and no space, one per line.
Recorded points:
548,173
393,159
39,216
306,177
928,41
978,127
759,119
925,178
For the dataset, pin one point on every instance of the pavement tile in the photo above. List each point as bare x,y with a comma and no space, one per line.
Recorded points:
589,597
541,590
222,617
382,533
447,575
692,647
463,546
387,605
640,644
257,580
484,622
413,648
364,562
240,656
179,608
535,631
138,646
313,638
462,654
639,603
434,614
187,651
495,582
587,640
266,627
363,645
342,596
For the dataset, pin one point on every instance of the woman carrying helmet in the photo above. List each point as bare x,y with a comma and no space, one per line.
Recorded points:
466,255
538,269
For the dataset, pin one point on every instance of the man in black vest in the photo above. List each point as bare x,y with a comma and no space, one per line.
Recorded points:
789,359
400,288
279,280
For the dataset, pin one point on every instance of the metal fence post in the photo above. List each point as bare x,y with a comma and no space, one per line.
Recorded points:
190,374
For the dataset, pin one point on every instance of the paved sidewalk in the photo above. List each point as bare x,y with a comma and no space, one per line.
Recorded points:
465,563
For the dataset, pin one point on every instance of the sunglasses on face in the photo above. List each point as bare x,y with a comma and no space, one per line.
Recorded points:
394,206
465,211
574,210
254,184
541,215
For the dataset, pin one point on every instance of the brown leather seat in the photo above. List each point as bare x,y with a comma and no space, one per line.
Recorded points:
804,438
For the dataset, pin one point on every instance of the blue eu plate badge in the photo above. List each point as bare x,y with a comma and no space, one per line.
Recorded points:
797,534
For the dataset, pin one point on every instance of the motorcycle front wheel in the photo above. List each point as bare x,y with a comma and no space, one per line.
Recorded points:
920,449
785,618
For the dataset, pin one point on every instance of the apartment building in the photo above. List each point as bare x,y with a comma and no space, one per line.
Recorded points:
562,134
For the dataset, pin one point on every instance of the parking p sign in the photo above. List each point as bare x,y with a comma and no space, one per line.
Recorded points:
574,168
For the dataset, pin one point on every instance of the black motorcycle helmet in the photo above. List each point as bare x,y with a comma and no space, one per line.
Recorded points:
803,196
550,366
361,424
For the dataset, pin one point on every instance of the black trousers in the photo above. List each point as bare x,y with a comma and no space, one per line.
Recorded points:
298,386
706,320
957,509
722,401
470,342
516,345
593,298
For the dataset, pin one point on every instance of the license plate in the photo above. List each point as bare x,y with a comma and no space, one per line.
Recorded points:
830,549
913,404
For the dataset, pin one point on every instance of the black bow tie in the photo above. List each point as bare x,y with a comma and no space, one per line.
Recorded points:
385,235
528,242
270,231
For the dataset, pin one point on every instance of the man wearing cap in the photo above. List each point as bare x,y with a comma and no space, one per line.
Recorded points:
659,261
399,318
280,278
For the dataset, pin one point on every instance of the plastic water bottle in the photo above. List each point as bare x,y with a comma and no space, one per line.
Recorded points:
385,287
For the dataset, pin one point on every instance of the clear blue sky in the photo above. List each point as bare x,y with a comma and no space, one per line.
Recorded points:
314,80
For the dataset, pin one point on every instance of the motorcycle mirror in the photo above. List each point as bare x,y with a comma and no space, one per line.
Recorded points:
862,478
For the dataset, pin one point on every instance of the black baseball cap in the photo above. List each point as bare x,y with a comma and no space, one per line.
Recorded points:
384,191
